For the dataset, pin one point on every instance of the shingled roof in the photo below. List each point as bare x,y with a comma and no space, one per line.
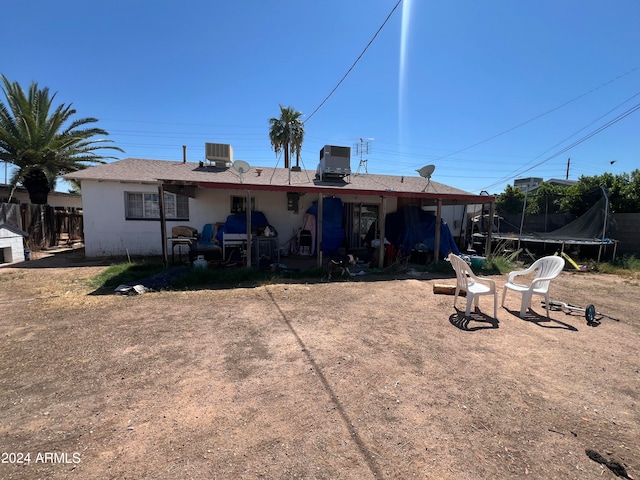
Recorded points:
272,179
13,229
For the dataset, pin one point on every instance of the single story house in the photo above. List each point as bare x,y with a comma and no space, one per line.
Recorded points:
62,200
123,215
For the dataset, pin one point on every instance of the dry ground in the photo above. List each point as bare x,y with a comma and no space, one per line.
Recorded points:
342,380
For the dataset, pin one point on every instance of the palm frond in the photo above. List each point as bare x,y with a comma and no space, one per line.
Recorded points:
286,133
43,141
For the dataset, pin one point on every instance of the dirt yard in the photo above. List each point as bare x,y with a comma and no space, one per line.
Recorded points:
345,380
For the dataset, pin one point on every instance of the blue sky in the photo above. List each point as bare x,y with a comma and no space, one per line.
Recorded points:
486,91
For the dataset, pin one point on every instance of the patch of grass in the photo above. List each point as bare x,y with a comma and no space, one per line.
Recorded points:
207,276
440,267
492,266
123,273
630,262
225,277
627,265
128,272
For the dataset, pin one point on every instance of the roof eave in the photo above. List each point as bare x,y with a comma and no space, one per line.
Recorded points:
446,198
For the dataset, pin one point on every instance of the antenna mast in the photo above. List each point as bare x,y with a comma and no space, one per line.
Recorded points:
362,148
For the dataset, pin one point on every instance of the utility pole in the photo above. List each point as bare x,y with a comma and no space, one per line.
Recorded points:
568,163
362,149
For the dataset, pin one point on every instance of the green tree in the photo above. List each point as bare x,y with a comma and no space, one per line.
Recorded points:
630,193
545,200
581,196
623,190
510,201
42,142
287,134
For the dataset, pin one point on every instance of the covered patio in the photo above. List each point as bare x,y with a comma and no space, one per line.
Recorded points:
406,190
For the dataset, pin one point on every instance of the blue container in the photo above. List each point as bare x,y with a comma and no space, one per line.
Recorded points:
27,254
478,262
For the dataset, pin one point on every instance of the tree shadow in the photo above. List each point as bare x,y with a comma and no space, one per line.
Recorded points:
62,258
459,320
359,440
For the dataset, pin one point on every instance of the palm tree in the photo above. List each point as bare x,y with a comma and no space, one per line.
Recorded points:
44,144
287,134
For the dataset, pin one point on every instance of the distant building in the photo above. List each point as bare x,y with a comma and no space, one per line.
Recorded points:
56,199
532,184
528,184
561,182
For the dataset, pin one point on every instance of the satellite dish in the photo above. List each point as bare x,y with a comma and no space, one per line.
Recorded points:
426,172
241,167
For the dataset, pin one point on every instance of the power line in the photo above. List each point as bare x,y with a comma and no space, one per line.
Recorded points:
354,63
540,115
515,173
583,139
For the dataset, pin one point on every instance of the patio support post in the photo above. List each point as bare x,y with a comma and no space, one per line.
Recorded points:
487,247
248,210
163,225
381,221
319,230
604,227
436,240
524,208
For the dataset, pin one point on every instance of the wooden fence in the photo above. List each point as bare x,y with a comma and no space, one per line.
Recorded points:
47,226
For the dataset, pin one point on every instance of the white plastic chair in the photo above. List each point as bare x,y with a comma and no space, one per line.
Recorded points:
546,268
473,285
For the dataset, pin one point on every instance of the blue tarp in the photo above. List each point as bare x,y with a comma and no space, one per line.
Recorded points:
206,236
411,226
332,231
237,223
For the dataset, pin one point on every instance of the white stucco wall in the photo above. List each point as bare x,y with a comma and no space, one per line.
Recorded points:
108,233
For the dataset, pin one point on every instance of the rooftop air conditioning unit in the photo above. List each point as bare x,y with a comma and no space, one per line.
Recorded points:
334,161
219,153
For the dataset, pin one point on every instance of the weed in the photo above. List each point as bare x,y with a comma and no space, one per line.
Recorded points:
627,265
498,265
123,273
440,267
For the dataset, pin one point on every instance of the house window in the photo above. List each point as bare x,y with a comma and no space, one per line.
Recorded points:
145,206
239,204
